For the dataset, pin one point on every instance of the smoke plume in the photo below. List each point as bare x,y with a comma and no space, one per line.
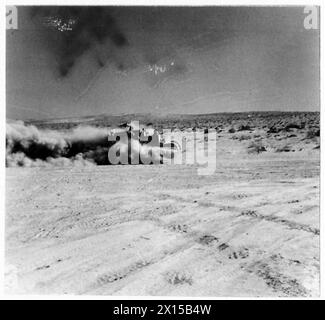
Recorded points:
28,146
74,30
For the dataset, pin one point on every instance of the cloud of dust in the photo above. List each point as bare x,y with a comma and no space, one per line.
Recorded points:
28,146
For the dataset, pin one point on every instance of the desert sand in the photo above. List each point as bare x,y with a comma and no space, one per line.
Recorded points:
249,229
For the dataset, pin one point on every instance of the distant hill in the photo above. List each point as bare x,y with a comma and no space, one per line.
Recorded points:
182,121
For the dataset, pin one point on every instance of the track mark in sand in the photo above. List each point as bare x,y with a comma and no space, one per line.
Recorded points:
178,278
288,223
239,196
233,253
119,275
43,267
43,233
203,239
207,239
250,213
294,201
278,258
53,263
240,254
201,203
114,276
278,281
223,246
179,228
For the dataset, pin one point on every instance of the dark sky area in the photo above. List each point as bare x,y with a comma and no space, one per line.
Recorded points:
160,60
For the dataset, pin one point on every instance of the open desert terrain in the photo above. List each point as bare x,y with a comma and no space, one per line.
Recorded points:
249,229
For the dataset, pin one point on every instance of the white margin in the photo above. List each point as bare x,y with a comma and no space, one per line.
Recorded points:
150,3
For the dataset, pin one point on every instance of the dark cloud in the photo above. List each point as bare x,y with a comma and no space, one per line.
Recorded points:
74,30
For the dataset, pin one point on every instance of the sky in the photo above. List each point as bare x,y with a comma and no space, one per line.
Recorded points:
160,60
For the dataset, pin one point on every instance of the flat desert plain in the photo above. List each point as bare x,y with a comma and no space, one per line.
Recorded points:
249,229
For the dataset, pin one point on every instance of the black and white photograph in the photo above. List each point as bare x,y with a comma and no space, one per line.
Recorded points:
162,151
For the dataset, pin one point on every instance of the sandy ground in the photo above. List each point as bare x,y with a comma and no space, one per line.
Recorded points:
250,229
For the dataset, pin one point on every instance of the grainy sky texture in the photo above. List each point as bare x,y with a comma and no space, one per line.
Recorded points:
160,60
